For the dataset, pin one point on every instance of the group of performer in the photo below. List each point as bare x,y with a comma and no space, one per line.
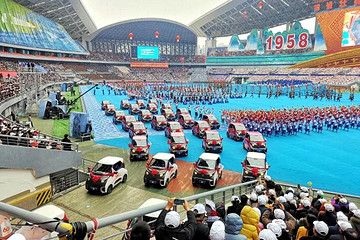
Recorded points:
294,120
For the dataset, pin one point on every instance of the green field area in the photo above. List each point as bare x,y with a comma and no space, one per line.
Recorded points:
61,126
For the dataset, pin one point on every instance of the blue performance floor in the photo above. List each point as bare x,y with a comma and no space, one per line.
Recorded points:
330,160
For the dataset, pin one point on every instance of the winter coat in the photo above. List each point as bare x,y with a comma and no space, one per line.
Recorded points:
185,231
233,226
202,231
251,220
328,217
355,223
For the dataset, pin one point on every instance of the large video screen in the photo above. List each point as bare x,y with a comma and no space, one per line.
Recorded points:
351,29
145,52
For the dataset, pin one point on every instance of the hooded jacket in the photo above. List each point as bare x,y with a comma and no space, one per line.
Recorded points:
185,231
251,220
233,226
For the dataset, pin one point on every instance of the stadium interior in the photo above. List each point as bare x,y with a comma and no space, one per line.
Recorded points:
102,128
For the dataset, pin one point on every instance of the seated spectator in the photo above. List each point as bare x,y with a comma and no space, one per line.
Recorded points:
329,217
267,234
351,234
343,226
355,220
320,231
217,231
307,229
168,225
140,231
251,223
235,201
66,142
202,229
233,226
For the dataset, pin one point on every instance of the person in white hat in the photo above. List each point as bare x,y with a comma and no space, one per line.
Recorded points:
168,225
279,213
267,234
340,203
235,203
329,217
202,229
217,231
304,209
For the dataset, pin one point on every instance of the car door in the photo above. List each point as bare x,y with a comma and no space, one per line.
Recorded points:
172,167
247,140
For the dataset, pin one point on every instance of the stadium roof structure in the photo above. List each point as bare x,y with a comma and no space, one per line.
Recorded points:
143,29
71,14
241,16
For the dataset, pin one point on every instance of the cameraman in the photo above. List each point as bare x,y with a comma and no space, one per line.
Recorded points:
168,225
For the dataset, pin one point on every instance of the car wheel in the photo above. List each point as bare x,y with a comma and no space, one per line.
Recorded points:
244,146
193,132
227,134
175,174
124,178
147,184
186,153
194,184
109,190
131,158
220,175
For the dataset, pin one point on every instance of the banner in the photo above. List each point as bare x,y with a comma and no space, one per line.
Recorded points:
328,5
23,27
148,65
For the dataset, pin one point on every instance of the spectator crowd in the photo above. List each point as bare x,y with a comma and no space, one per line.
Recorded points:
268,213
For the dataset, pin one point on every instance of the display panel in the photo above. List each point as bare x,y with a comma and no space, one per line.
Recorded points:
145,52
351,29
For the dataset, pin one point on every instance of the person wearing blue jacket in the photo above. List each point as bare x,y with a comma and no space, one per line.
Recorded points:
233,226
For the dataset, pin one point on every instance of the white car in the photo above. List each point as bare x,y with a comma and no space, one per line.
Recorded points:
207,170
160,170
107,174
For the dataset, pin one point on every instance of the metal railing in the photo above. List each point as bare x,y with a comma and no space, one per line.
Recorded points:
38,143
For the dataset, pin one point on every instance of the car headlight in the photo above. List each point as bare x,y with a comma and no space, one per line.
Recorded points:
144,150
161,175
133,151
212,174
104,180
196,173
246,172
147,173
261,173
173,147
89,179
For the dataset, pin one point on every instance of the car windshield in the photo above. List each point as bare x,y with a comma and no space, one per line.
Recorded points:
125,101
178,139
146,112
102,168
152,105
213,136
119,113
175,126
256,138
187,117
208,164
211,117
239,127
130,119
161,118
110,106
135,106
256,162
139,142
203,124
167,111
140,101
157,163
139,126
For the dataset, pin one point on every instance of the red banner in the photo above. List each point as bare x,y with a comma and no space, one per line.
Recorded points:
5,74
328,5
148,65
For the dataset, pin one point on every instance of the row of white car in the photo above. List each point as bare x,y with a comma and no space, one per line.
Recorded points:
160,170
